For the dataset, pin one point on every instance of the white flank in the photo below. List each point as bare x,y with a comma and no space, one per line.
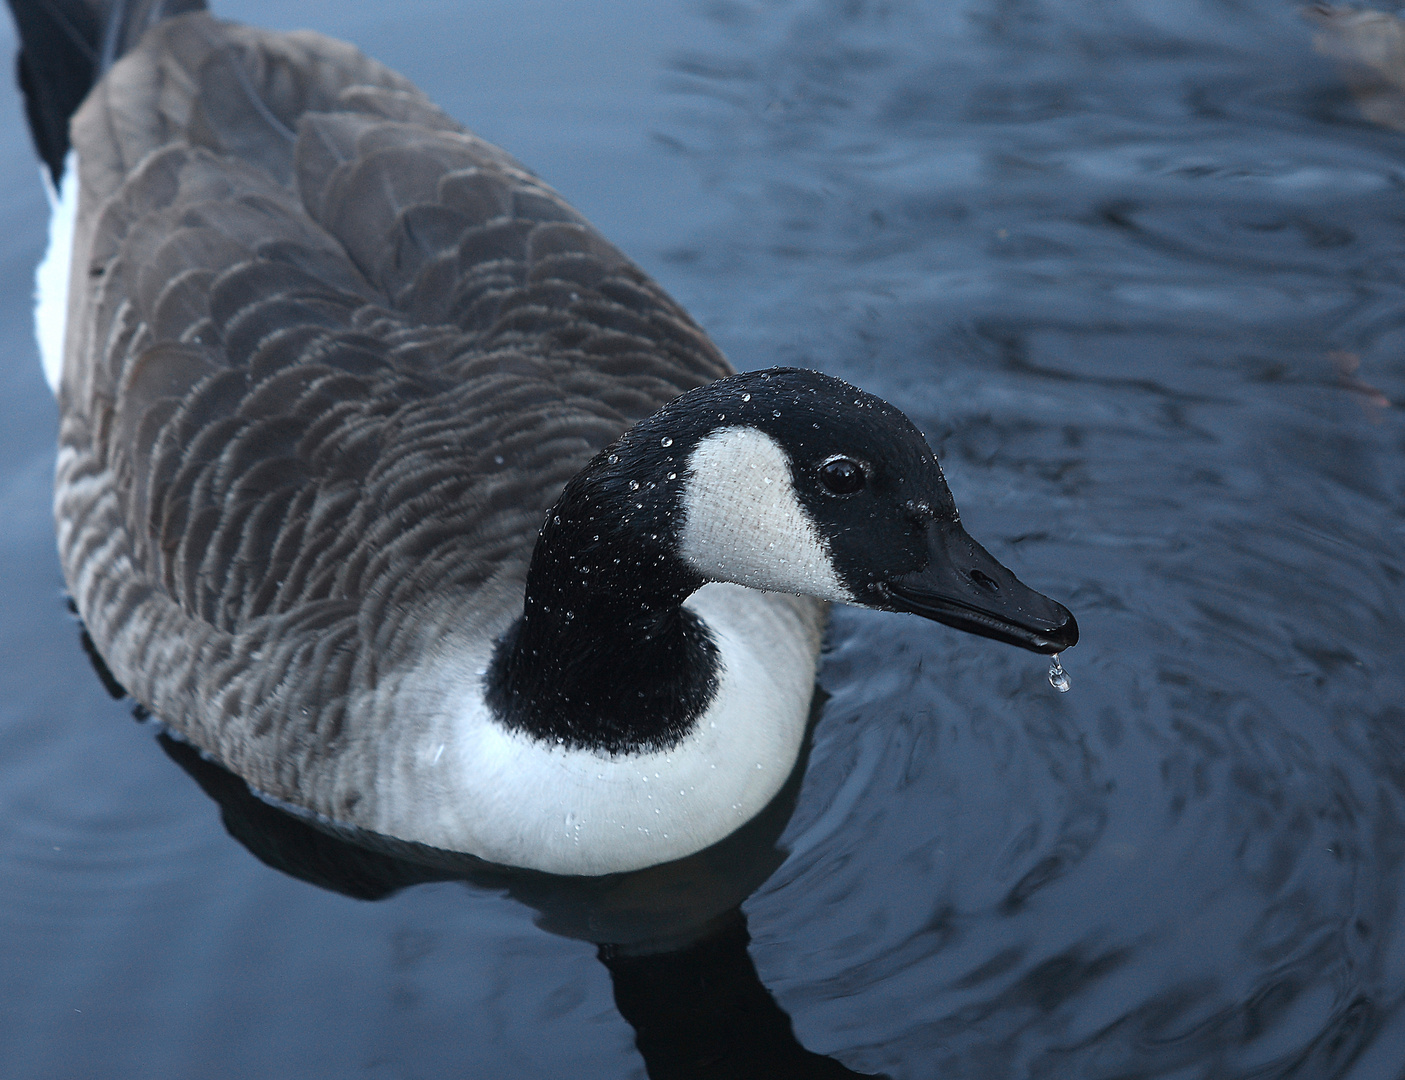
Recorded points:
51,279
743,522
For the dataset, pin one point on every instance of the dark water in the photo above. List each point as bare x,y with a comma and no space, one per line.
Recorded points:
1138,269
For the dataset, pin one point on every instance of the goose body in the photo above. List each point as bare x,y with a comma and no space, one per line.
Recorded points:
376,484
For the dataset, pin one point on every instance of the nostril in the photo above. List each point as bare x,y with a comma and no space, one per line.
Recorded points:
985,581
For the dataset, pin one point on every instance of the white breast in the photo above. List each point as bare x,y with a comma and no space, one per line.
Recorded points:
512,799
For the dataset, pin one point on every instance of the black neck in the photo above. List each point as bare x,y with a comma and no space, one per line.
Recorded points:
605,656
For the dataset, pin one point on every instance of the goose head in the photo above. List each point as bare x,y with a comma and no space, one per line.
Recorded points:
799,482
793,481
783,480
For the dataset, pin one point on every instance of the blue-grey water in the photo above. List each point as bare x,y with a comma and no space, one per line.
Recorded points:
1138,271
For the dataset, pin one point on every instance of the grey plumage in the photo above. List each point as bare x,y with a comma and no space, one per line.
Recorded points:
330,359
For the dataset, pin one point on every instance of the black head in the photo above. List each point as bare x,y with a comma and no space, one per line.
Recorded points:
798,482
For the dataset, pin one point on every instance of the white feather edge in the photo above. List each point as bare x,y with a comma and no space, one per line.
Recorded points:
52,276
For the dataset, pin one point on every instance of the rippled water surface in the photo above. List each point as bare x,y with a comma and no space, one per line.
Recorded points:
1138,270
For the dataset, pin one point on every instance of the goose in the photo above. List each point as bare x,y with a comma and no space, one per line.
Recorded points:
394,488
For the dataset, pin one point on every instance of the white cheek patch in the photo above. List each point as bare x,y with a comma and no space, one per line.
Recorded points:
51,279
743,522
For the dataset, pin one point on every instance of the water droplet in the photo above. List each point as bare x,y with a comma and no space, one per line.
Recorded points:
613,459
666,441
498,459
673,476
634,485
1058,678
776,413
746,397
556,520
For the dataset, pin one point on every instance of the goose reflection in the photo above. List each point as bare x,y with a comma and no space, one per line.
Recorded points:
673,936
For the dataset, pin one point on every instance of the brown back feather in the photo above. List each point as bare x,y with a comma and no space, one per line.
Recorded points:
330,359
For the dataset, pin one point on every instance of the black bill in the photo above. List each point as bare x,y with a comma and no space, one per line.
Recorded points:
963,586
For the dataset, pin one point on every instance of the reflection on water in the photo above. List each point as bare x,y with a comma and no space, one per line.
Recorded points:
672,937
1136,269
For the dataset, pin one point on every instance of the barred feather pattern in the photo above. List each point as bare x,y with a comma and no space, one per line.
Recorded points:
330,359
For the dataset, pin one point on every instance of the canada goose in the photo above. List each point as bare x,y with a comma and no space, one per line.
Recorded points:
375,482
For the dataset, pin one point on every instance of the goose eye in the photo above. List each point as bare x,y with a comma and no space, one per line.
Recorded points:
842,475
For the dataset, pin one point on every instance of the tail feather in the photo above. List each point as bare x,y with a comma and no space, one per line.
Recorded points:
65,47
